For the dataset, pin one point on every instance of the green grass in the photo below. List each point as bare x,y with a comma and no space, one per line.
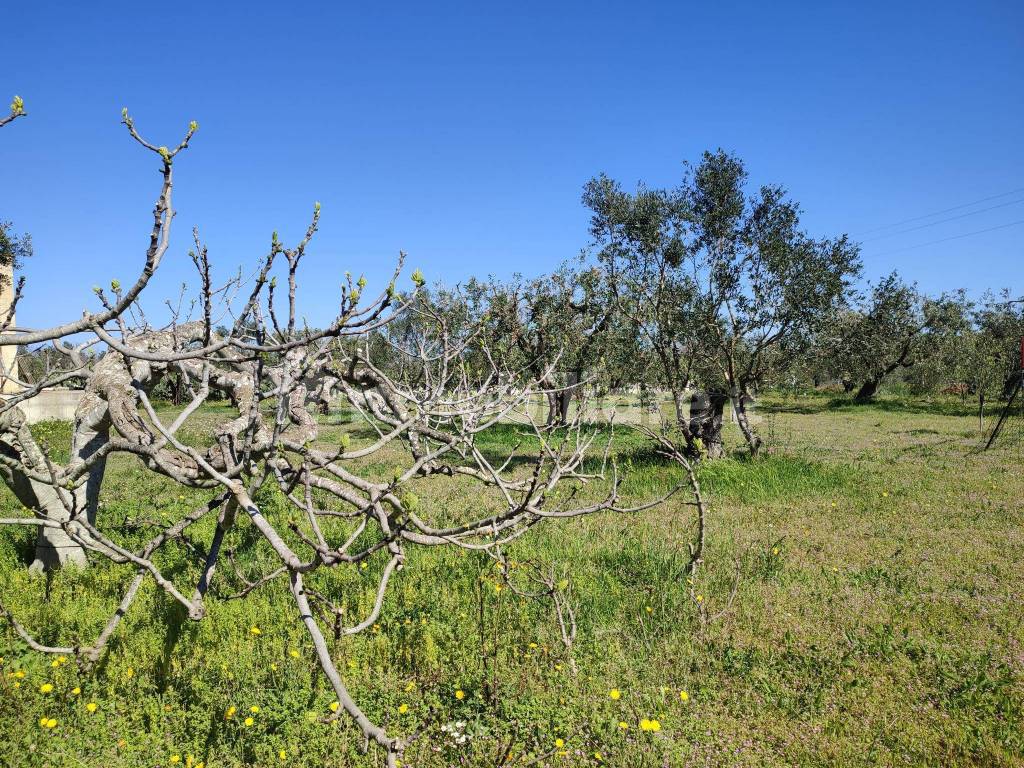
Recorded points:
875,557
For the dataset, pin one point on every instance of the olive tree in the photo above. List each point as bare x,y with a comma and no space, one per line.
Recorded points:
892,327
719,281
1000,323
552,325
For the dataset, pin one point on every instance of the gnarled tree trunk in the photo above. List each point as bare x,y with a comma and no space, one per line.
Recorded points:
754,441
55,547
867,390
706,411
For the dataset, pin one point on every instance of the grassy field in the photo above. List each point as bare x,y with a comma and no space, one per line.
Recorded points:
860,605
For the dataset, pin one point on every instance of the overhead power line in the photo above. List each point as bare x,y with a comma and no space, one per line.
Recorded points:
939,213
953,237
943,221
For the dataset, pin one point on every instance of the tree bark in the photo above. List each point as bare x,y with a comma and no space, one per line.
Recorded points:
552,417
867,391
706,412
560,400
54,546
91,430
754,441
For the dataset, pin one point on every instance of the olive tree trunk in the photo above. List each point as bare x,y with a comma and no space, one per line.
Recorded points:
754,442
867,390
706,412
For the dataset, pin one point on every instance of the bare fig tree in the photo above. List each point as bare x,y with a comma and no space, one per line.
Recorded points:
441,390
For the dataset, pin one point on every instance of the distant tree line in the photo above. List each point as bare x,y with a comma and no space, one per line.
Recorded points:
709,293
712,292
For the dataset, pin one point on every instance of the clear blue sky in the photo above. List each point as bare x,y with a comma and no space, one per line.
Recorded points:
464,133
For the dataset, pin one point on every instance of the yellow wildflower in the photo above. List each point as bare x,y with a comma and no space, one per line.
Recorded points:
283,755
460,694
230,712
254,709
51,723
75,691
559,743
293,653
91,706
256,630
175,758
45,687
403,708
684,696
615,694
249,721
334,706
623,725
649,725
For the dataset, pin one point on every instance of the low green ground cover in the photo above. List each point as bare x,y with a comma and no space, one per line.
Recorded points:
860,605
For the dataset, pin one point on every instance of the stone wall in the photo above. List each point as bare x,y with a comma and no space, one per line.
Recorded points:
52,405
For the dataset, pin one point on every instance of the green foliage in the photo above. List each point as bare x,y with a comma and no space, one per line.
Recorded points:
874,559
14,249
54,439
716,284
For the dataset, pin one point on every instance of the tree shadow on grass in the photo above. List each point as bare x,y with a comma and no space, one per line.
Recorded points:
174,616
